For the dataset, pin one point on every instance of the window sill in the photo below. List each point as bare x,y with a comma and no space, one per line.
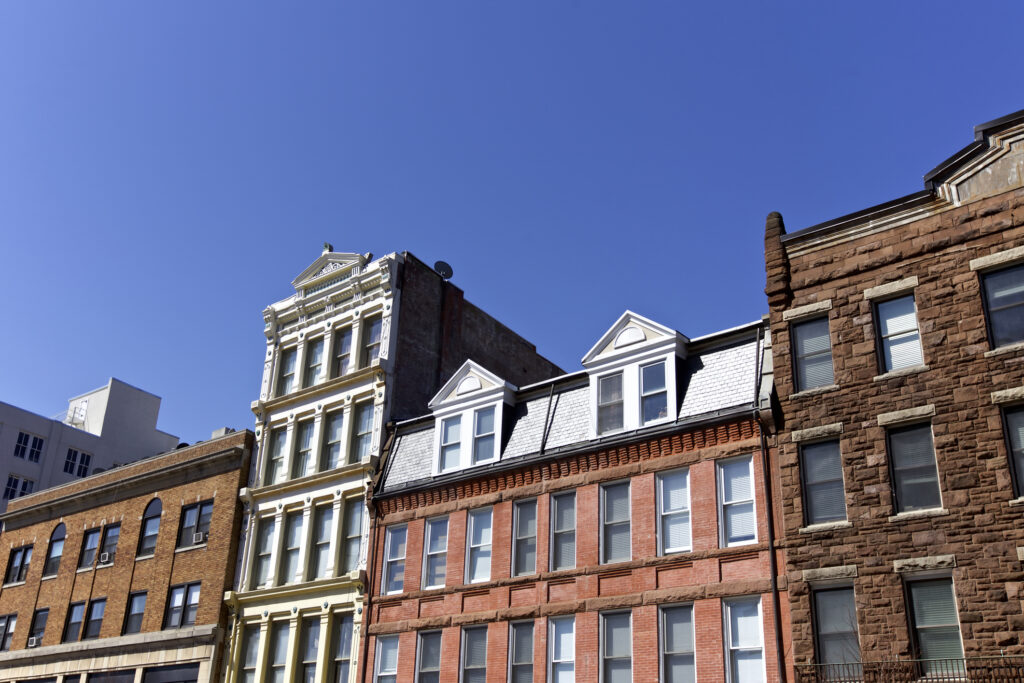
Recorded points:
82,570
825,526
51,577
12,584
902,372
814,392
1009,348
140,558
919,514
738,545
1017,502
186,548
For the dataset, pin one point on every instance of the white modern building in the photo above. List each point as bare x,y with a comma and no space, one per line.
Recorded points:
108,426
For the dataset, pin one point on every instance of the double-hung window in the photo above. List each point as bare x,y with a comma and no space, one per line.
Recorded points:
55,551
563,531
334,438
353,538
362,434
303,463
323,523
609,403
276,456
935,624
520,647
309,648
478,546
77,463
387,660
428,658
743,639
677,646
286,372
474,655
37,629
371,340
915,474
17,566
342,362
195,524
94,619
277,658
108,546
394,558
616,648
150,527
182,605
562,649
250,652
615,522
136,610
451,443
812,354
264,552
483,435
435,553
90,542
1004,305
835,630
898,337
653,393
822,470
287,572
28,445
524,548
73,625
1014,418
342,651
674,512
18,486
7,624
736,501
314,362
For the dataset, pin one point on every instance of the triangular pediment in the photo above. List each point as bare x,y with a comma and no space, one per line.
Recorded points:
470,382
993,164
631,333
330,265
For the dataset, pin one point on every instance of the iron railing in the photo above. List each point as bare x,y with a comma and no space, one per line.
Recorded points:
973,669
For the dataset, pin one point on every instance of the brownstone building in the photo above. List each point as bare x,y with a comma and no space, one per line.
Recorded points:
898,337
611,524
121,576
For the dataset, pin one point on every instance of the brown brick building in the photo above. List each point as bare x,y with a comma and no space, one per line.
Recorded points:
120,576
898,337
610,524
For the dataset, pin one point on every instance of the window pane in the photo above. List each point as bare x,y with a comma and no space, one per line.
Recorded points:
388,656
836,626
812,350
617,635
678,622
616,503
913,459
1015,429
562,639
823,482
609,402
736,484
744,624
1004,294
935,619
485,421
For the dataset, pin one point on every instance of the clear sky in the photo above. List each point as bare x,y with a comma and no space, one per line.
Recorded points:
167,168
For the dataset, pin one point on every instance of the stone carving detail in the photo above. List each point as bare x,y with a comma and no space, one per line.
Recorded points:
265,386
385,334
378,416
329,268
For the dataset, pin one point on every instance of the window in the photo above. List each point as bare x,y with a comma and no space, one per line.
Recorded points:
394,558
342,647
674,512
520,661
677,648
275,456
353,540
616,648
387,659
435,553
334,436
524,550
250,652
323,522
835,631
615,542
563,531
290,553
483,435
303,463
915,475
743,640
371,341
822,471
478,546
195,523
474,655
264,552
428,658
286,372
77,463
54,551
17,567
653,393
314,362
76,612
609,403
1015,435
150,527
37,629
309,648
451,443
182,606
94,619
342,362
29,446
90,542
1004,304
362,434
277,658
18,486
562,649
812,354
935,624
898,338
108,548
736,496
136,610
7,624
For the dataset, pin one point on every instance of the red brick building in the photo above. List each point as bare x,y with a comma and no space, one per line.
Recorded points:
120,577
898,338
610,524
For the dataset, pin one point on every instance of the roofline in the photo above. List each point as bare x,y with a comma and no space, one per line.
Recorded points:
910,201
110,383
729,331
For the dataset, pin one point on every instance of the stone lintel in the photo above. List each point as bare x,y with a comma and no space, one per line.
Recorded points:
908,415
1008,395
820,432
890,288
848,571
807,311
924,564
998,258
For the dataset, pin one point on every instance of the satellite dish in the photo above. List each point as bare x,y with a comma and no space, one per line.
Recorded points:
444,270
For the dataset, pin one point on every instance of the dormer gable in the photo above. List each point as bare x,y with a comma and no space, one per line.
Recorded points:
633,334
332,267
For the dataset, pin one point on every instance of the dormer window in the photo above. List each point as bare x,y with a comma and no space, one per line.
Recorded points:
451,443
653,395
483,436
609,403
453,449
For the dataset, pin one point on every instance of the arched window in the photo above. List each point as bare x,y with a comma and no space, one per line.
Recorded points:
54,551
150,527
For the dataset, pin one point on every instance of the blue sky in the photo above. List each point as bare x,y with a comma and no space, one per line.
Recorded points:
166,169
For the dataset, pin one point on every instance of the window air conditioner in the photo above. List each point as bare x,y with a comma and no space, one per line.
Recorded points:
33,642
198,538
104,558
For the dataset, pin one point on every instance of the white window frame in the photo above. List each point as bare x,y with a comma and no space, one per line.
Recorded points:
662,651
261,524
603,522
389,533
349,506
924,577
883,365
468,436
631,370
516,506
313,566
551,645
420,635
279,384
308,365
288,577
427,554
512,663
462,649
377,673
471,516
454,445
553,531
662,513
644,393
727,605
602,656
723,540
621,402
478,436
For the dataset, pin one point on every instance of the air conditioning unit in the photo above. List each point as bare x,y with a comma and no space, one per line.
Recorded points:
104,558
198,538
33,642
